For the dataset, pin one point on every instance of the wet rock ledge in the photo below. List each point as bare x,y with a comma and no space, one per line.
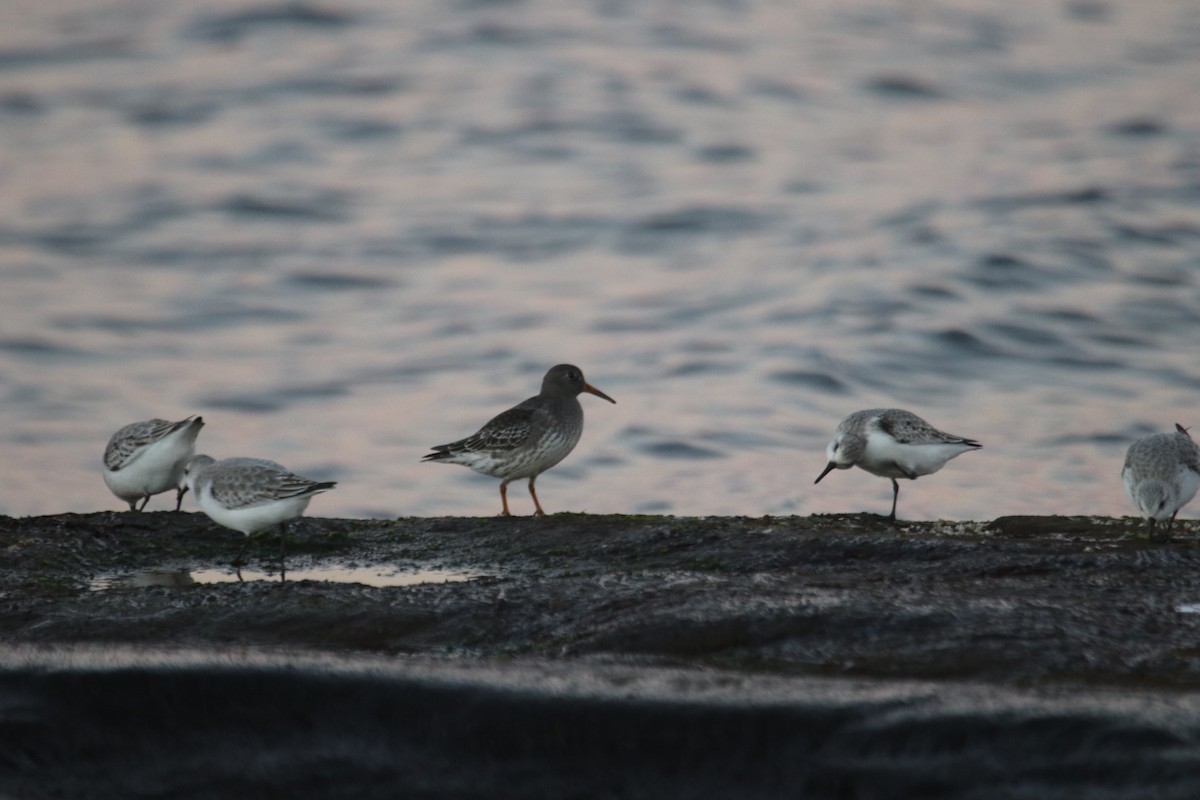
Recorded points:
1020,601
599,656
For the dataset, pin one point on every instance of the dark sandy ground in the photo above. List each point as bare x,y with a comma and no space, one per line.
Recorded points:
752,657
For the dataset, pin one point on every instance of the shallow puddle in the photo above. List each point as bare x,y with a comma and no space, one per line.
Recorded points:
380,576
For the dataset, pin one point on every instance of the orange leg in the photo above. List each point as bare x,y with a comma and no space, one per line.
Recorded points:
533,494
504,498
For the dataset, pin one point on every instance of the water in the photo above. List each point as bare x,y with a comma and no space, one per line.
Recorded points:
346,232
377,576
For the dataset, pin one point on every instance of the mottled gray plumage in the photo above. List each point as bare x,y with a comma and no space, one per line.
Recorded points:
244,482
251,494
1161,475
907,428
145,458
892,443
527,439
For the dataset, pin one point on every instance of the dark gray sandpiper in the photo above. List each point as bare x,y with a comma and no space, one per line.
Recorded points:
527,439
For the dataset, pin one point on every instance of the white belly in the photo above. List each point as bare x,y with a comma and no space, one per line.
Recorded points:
251,519
524,462
888,458
1188,483
157,469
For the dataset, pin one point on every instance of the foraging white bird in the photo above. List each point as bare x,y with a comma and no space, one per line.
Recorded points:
250,494
1161,475
892,443
146,458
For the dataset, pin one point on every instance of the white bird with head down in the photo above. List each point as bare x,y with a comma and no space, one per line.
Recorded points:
250,494
147,458
892,443
1161,475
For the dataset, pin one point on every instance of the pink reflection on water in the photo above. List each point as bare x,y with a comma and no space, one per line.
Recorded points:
525,206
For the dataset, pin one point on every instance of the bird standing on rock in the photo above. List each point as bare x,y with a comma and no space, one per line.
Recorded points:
529,438
250,494
892,443
1161,475
146,458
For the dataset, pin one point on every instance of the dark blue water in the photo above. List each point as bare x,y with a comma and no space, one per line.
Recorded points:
346,232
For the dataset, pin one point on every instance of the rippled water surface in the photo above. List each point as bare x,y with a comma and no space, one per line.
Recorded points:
345,232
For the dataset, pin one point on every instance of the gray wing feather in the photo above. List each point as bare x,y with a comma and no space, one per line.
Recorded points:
906,427
125,444
242,482
1189,452
504,432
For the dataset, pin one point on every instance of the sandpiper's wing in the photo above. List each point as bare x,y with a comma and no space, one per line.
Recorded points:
1189,452
127,443
503,433
907,428
243,482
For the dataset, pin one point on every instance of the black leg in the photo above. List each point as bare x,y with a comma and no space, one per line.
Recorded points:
237,560
144,501
282,544
179,497
895,497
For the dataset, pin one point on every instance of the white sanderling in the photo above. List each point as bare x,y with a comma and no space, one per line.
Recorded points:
1161,474
146,458
527,439
892,443
250,494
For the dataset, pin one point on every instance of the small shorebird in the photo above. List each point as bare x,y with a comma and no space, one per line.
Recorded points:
250,495
892,443
529,438
147,458
1161,474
